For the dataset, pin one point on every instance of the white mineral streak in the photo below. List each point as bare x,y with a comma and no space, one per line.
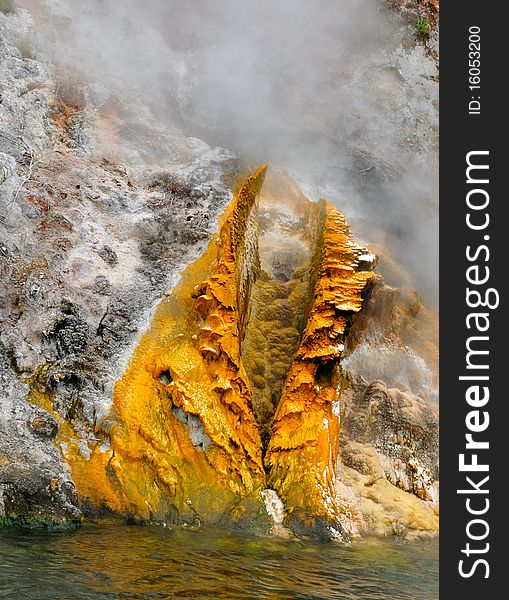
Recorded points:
276,511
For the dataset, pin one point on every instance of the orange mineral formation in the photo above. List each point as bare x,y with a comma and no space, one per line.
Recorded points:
234,388
303,450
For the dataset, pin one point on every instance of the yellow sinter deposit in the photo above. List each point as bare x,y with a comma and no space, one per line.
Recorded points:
303,450
234,387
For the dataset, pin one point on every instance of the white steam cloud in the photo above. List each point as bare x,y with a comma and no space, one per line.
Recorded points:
334,91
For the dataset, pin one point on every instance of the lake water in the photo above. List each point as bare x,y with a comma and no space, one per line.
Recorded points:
133,562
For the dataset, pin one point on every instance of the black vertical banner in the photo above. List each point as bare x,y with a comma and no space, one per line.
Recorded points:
474,345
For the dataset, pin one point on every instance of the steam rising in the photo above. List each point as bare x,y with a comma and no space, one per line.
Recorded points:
333,91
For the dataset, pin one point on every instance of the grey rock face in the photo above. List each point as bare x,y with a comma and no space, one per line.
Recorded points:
89,243
403,429
35,486
43,425
389,418
7,167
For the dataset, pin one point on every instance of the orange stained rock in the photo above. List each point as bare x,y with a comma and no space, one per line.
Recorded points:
185,446
182,442
303,450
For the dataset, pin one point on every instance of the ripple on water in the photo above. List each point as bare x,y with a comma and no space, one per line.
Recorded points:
148,562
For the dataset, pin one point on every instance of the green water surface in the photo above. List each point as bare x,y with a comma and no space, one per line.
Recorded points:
151,562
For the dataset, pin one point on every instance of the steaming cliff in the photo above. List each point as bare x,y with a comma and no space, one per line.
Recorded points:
155,368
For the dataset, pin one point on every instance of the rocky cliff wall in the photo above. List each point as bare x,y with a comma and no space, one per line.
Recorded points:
279,373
